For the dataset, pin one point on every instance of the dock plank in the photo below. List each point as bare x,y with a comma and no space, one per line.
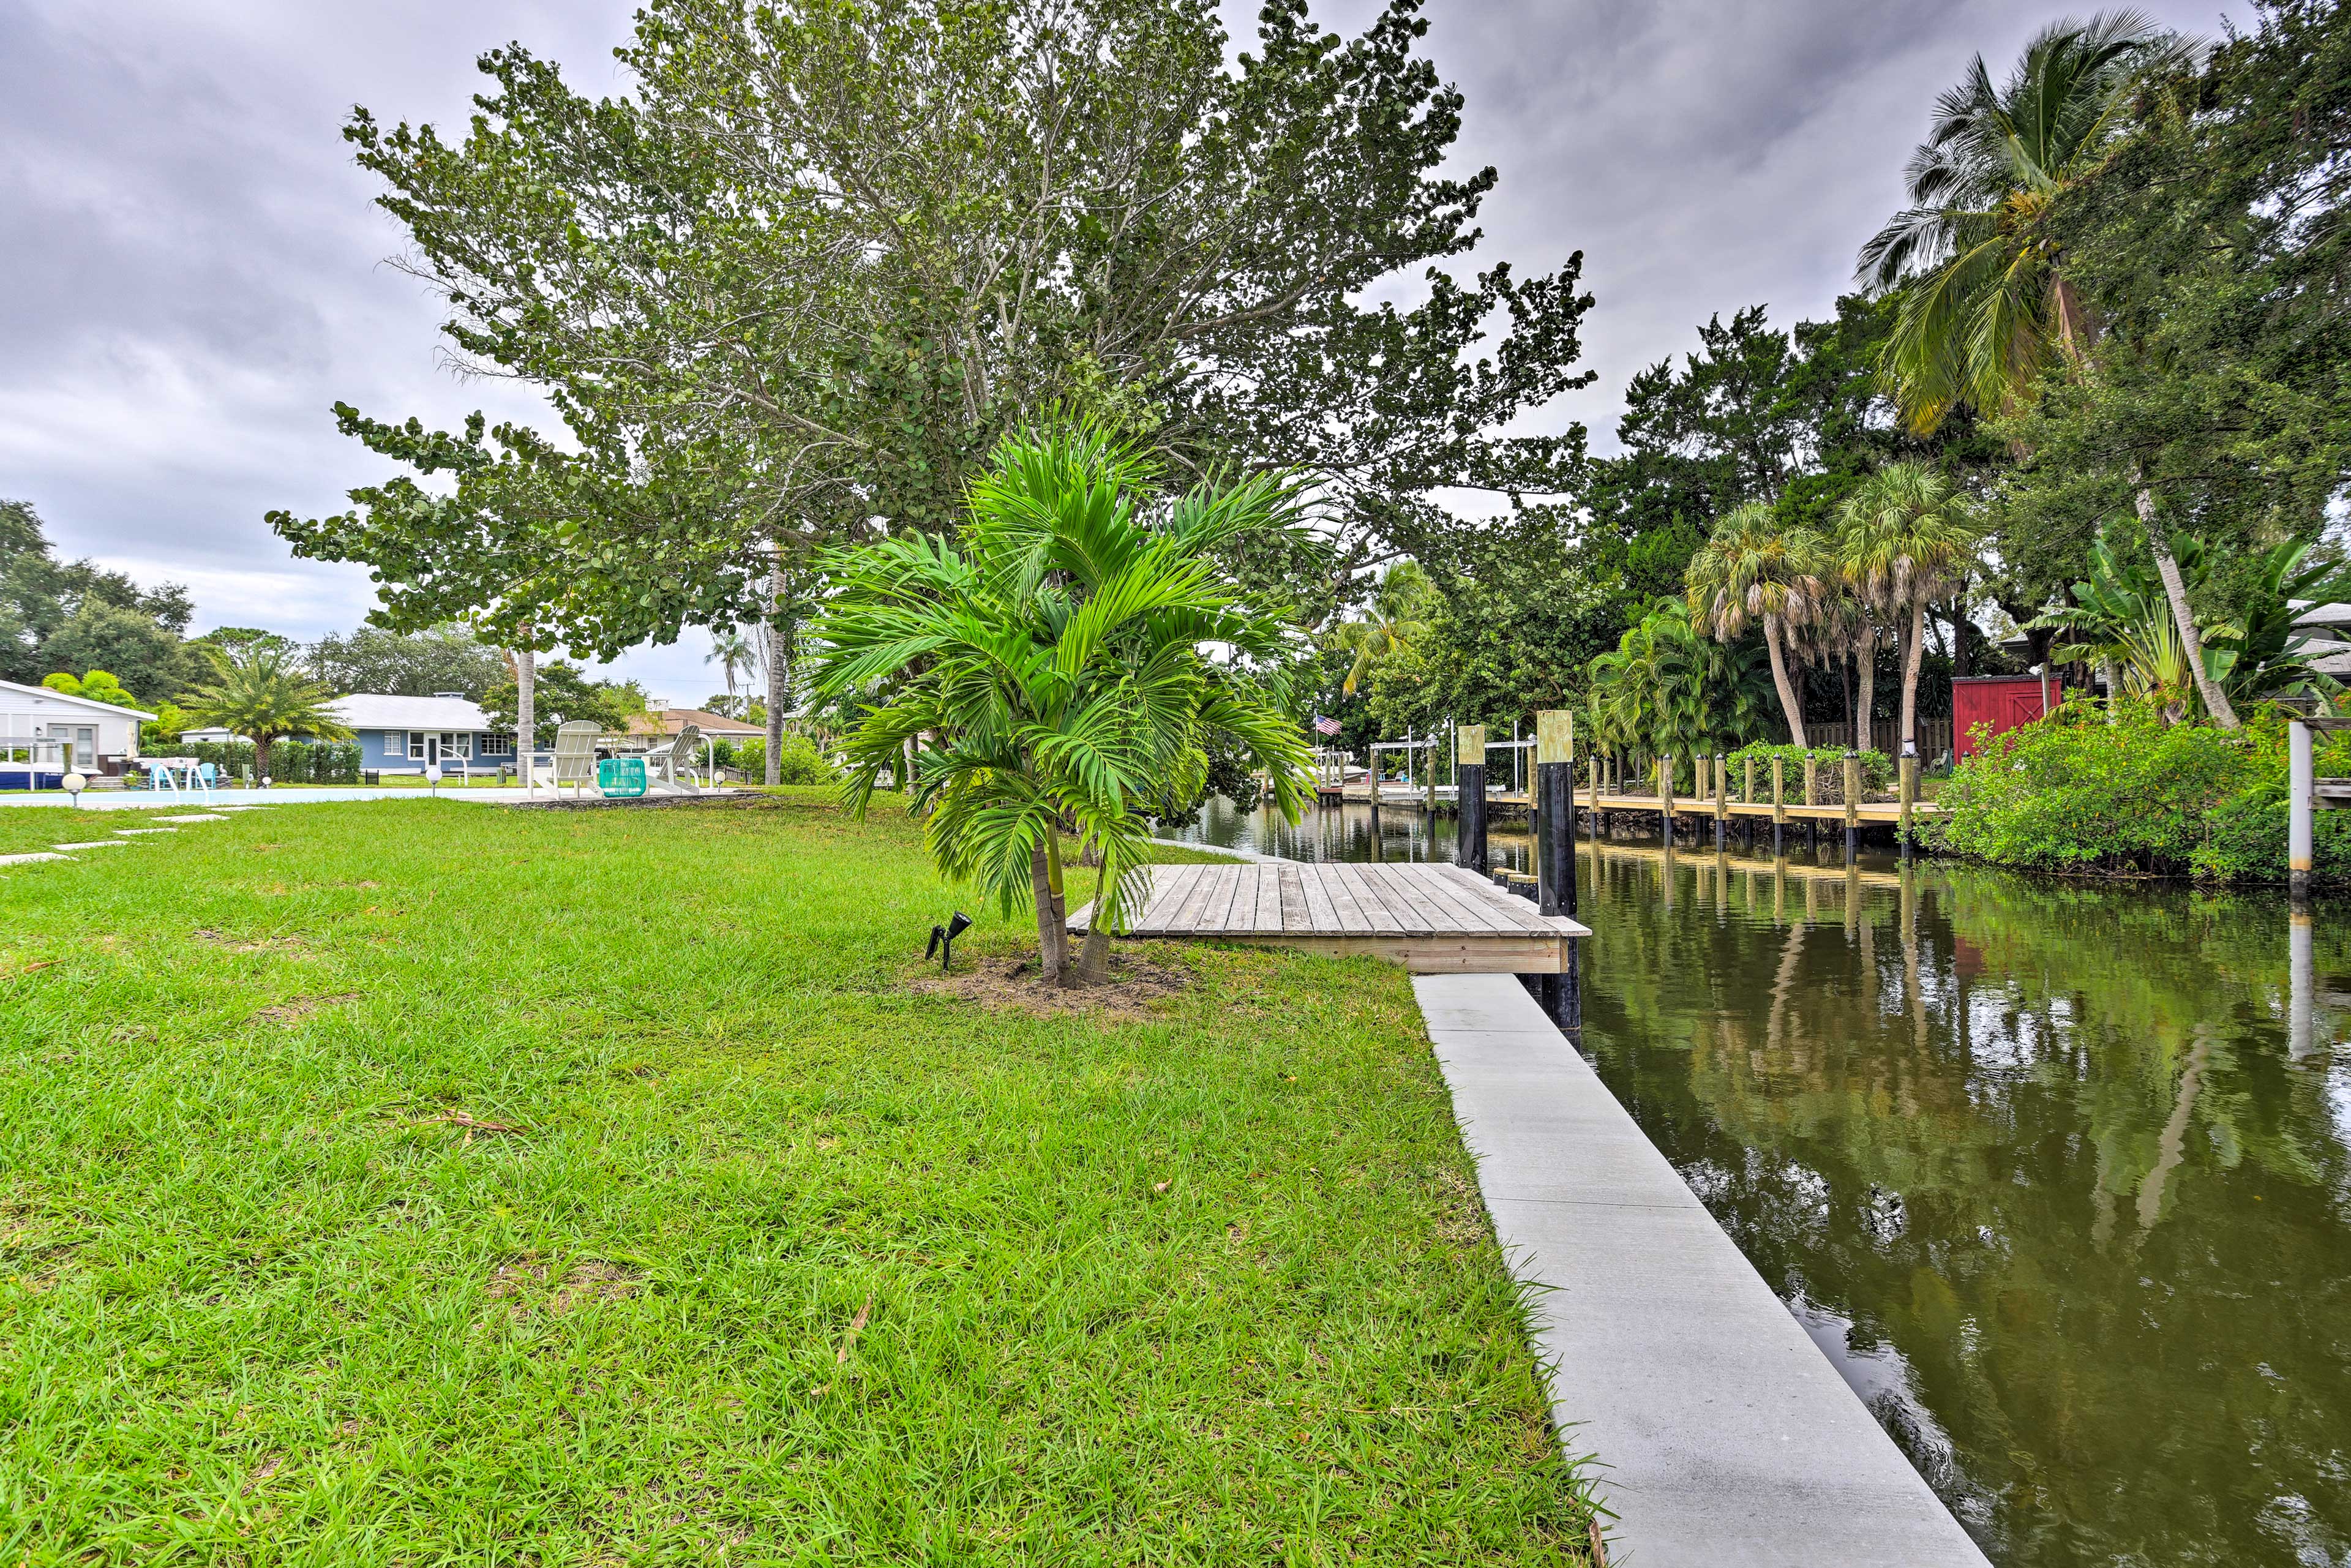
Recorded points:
1321,909
1291,886
1374,908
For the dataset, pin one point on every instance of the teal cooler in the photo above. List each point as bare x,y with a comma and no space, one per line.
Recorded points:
620,777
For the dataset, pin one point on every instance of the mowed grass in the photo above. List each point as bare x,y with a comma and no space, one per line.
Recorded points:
428,1183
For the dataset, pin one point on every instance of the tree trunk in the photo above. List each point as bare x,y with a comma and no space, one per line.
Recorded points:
1093,958
779,671
1844,681
2175,589
1788,704
1959,663
525,709
1865,659
1913,654
1050,934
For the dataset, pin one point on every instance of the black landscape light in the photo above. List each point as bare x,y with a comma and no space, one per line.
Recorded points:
943,938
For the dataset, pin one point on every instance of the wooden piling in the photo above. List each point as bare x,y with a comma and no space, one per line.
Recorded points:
1852,804
1721,801
1908,775
1469,799
1778,803
1555,790
1666,794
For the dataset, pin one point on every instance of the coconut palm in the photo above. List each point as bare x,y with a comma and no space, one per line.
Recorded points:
731,651
261,694
1066,659
1398,618
1905,537
1985,303
1754,568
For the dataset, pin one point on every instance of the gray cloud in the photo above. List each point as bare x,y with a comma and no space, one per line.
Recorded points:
194,267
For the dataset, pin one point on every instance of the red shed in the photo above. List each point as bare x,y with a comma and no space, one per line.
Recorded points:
2004,702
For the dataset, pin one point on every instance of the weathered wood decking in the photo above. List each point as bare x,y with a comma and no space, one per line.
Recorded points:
1430,917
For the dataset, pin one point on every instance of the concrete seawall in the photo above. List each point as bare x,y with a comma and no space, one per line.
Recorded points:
1723,1436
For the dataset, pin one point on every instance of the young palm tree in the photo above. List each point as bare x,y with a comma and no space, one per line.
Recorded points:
1905,537
1065,660
1985,303
262,694
1754,568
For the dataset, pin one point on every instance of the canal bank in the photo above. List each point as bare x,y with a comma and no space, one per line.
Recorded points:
2058,1176
1724,1438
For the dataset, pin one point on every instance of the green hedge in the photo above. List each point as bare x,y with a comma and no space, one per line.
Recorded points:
798,761
2136,797
1876,770
290,762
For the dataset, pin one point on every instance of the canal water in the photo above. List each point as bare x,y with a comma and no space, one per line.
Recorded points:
2059,1176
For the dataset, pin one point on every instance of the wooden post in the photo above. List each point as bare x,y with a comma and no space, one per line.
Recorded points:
1469,799
1666,795
2302,784
1432,782
1555,794
1852,804
1721,799
1909,794
1747,787
1812,797
1778,801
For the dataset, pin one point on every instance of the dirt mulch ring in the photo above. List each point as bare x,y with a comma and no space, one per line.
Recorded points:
1002,985
524,1283
299,1007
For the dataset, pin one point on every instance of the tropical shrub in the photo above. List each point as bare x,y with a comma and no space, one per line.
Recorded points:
2136,796
798,761
1876,770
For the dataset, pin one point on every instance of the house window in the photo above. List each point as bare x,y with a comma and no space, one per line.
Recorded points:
497,746
416,745
456,744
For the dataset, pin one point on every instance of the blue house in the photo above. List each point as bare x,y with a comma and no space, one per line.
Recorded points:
407,735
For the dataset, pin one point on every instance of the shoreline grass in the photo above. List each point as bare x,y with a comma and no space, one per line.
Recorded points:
401,1182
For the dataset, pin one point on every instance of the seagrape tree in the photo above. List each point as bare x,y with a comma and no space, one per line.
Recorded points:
817,256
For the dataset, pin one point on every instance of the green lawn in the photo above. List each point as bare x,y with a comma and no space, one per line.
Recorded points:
423,1183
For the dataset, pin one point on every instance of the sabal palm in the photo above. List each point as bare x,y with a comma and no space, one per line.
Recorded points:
1907,536
1054,663
262,694
1756,569
1984,300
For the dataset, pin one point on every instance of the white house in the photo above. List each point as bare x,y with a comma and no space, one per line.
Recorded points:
48,733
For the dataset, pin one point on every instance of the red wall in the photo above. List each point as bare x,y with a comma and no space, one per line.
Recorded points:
2004,702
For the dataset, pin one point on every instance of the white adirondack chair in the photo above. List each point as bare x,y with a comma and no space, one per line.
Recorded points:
575,753
673,756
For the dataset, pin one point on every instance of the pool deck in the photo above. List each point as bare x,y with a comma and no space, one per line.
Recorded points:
1722,1436
299,795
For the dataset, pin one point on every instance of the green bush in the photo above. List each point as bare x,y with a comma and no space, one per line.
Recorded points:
798,761
290,762
2136,797
1876,770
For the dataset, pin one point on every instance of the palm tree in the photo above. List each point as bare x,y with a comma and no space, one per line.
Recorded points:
731,651
1066,659
1905,537
261,694
1398,618
1755,567
1985,303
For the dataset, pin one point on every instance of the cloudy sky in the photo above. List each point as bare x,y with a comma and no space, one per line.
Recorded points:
191,269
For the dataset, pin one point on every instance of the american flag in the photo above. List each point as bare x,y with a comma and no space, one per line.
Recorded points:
1325,725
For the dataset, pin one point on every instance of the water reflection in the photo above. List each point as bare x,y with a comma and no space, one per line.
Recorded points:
2059,1176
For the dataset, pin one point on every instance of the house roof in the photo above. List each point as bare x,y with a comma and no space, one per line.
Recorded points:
373,710
16,697
670,720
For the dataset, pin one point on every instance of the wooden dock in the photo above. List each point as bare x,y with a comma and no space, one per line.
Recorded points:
1430,917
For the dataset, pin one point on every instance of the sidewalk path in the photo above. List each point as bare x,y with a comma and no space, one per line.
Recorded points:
1723,1436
